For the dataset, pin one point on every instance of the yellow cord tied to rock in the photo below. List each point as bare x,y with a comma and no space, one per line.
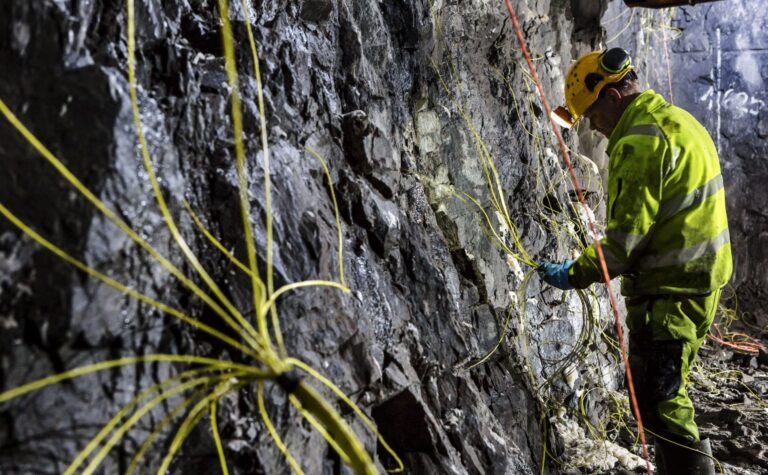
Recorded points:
216,378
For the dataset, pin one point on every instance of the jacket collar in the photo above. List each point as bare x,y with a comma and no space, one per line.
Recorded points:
647,101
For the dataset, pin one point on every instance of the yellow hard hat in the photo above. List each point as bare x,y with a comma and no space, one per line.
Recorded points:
587,77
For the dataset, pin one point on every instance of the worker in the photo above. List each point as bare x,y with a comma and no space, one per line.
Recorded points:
666,236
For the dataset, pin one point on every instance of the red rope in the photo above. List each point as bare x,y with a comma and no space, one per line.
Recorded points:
598,247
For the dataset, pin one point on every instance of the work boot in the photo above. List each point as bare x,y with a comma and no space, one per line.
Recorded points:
673,459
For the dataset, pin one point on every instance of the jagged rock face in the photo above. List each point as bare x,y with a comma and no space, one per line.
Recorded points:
718,63
358,82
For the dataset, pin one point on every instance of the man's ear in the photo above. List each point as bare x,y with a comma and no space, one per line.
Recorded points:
613,95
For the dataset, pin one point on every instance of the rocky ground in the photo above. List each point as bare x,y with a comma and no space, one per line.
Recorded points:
730,391
731,395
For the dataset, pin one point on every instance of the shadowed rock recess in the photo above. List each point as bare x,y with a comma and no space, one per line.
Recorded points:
385,92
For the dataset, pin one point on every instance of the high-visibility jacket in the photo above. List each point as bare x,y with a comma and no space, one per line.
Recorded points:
667,230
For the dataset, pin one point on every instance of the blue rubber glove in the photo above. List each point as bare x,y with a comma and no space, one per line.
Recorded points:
556,274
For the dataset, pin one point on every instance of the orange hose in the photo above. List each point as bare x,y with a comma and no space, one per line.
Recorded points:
598,247
753,346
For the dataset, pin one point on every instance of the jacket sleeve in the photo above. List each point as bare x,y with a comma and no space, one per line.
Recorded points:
635,177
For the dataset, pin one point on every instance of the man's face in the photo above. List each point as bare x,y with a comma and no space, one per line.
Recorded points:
601,116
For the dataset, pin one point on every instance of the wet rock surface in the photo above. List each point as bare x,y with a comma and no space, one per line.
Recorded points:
357,82
390,94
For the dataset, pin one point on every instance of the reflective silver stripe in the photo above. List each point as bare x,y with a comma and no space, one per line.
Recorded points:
628,241
687,254
676,151
674,205
645,129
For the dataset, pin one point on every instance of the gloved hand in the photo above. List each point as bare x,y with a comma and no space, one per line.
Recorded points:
556,274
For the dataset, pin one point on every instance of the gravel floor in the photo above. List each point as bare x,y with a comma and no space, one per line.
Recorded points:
731,396
730,393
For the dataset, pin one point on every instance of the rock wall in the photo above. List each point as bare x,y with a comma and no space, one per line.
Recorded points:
717,56
395,97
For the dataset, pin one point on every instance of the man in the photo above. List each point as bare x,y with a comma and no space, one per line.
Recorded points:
666,235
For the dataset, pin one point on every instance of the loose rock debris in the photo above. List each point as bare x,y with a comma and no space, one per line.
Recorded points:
730,391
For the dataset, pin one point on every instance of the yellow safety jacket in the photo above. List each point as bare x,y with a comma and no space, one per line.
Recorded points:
667,230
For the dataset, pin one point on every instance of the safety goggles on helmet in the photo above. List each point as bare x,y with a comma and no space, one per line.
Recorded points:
587,78
615,60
